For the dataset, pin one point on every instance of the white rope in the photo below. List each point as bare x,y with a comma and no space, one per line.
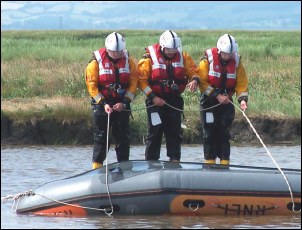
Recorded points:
107,150
270,155
28,193
16,198
130,110
181,110
289,187
31,193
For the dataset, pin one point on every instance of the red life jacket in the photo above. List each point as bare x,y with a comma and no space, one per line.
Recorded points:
216,70
161,81
109,78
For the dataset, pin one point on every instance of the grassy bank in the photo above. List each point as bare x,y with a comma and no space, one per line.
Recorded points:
42,72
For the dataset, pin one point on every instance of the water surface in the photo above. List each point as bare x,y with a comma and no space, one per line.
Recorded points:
25,168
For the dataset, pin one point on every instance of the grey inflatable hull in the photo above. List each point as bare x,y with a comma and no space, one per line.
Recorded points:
159,187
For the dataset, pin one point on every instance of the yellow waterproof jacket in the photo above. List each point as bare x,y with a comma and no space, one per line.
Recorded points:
92,76
241,88
144,68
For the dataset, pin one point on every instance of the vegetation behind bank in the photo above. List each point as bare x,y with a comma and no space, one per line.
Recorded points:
42,72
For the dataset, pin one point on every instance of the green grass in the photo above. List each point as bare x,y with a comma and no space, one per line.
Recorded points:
48,64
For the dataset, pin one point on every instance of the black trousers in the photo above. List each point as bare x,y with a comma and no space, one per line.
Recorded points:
119,124
170,127
216,123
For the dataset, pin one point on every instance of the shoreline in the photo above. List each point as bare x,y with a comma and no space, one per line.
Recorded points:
79,132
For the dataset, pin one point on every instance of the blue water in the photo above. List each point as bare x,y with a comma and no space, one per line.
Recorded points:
24,168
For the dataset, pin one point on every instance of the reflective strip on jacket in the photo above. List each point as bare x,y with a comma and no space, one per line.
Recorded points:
160,70
210,73
92,76
148,68
215,70
109,75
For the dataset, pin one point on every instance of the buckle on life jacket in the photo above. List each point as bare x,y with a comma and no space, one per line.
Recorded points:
171,84
174,86
114,86
120,92
117,88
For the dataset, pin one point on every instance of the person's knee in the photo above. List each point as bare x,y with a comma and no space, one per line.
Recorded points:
98,136
226,133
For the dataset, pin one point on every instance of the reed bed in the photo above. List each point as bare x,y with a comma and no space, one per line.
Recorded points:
42,72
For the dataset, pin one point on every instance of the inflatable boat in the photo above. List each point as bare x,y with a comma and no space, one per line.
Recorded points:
141,187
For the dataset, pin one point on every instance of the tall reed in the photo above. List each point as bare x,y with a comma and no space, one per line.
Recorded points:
40,65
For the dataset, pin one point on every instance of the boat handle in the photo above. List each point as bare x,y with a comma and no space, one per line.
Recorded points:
195,209
194,205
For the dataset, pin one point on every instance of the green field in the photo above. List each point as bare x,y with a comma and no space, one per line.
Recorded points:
50,65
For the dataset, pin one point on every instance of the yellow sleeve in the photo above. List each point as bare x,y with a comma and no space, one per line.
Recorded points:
241,88
203,72
91,79
144,69
191,70
133,80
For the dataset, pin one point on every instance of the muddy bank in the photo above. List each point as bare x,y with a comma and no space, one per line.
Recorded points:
53,132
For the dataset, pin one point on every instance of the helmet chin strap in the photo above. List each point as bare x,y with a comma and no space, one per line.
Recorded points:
165,55
111,58
223,62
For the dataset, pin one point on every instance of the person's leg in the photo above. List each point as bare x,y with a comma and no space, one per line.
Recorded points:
173,134
121,134
154,135
226,119
99,136
209,137
208,124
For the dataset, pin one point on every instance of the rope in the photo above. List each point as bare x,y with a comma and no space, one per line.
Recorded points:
16,198
288,184
107,150
286,180
30,192
143,108
181,110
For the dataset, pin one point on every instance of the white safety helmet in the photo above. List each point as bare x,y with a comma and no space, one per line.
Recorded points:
169,39
227,43
115,42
